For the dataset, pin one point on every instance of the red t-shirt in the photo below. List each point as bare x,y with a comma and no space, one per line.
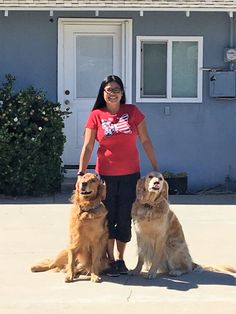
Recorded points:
117,134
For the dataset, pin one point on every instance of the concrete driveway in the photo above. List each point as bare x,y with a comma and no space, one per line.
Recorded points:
35,228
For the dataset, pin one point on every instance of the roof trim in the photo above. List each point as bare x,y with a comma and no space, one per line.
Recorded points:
100,9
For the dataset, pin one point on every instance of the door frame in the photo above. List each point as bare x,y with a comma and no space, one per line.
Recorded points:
126,56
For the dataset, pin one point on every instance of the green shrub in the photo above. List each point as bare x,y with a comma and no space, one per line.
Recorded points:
31,141
168,174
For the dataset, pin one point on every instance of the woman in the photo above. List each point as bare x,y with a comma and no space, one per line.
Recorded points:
116,125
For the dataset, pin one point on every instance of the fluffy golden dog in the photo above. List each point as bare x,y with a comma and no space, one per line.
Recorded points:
160,238
88,233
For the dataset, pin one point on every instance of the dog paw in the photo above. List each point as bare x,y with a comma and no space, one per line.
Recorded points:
95,278
150,275
175,273
69,277
198,269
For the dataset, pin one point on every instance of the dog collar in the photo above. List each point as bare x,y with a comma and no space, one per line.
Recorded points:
148,206
87,209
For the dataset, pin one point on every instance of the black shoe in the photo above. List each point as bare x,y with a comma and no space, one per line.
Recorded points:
112,271
122,269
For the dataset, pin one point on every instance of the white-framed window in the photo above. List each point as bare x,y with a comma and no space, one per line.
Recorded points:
168,69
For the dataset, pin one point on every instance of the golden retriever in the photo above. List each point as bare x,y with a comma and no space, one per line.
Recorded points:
160,238
88,233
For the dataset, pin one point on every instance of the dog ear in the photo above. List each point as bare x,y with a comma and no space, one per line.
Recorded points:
74,199
102,190
140,187
165,190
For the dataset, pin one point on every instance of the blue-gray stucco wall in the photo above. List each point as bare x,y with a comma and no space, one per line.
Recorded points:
199,138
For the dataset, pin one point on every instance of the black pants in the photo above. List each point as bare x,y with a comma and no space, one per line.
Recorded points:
121,193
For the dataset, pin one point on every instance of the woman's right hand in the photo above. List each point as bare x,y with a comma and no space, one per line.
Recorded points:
79,176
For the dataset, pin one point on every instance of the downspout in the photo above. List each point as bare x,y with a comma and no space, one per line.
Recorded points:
231,37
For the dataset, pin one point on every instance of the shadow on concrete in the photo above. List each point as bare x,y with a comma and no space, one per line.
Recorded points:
69,183
207,199
58,198
183,283
62,197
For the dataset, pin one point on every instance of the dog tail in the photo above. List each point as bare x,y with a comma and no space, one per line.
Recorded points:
42,266
214,268
58,264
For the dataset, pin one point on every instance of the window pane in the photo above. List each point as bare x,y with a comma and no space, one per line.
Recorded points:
154,67
184,69
94,61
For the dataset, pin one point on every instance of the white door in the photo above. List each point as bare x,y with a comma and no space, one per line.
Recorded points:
89,50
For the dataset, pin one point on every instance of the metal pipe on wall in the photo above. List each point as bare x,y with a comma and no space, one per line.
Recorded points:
231,37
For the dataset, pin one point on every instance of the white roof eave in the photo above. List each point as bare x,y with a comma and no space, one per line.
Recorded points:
140,9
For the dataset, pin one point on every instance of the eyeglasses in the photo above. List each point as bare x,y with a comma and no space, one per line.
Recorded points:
112,90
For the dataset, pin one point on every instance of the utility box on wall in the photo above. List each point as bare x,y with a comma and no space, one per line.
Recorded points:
222,84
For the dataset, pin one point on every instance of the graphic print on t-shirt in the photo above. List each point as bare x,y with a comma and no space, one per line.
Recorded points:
121,126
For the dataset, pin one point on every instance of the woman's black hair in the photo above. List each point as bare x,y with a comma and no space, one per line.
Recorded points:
100,101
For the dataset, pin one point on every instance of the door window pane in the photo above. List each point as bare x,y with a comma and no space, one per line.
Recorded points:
184,69
154,69
94,61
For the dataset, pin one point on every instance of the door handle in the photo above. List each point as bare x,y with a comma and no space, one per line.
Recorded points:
67,102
